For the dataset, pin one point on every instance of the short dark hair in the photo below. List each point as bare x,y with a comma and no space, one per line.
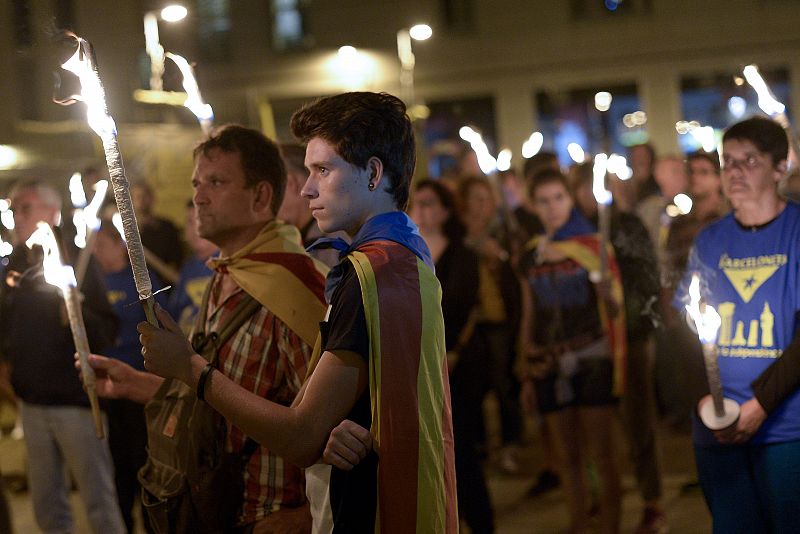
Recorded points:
767,135
452,227
711,157
539,162
362,125
580,175
549,176
650,151
467,183
260,157
107,228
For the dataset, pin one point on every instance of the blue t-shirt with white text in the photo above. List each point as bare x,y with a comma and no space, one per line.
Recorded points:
751,279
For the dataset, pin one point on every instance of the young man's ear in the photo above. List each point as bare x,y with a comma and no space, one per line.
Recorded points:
375,173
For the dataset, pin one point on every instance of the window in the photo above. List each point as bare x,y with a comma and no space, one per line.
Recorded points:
288,25
566,117
23,31
717,101
458,15
444,146
64,14
213,30
595,9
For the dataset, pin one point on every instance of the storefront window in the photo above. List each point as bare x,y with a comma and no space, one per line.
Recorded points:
716,101
444,147
599,119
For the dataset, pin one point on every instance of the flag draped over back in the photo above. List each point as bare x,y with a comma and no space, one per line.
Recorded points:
585,251
278,273
409,390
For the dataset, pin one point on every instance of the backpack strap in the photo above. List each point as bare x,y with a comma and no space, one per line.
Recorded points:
208,344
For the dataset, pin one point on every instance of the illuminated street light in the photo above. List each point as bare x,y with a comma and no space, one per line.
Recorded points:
348,52
174,13
405,54
420,32
155,51
9,156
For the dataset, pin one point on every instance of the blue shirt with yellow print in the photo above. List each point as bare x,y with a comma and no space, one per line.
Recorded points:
751,279
187,296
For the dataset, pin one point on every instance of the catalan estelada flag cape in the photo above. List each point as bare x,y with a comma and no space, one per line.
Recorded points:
584,249
408,381
275,270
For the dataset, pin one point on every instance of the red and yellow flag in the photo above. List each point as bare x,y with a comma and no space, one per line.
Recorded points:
409,391
275,270
585,251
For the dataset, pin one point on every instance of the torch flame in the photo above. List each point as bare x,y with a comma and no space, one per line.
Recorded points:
86,219
91,211
601,194
194,101
76,192
92,94
55,273
6,248
705,318
116,220
766,100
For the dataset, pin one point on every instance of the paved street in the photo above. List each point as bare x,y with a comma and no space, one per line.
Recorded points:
516,514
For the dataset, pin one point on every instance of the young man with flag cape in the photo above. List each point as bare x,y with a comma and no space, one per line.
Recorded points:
381,355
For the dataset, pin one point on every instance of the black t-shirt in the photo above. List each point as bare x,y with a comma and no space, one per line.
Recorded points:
353,494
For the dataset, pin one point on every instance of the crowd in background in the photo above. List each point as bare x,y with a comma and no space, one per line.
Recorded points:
525,321
532,334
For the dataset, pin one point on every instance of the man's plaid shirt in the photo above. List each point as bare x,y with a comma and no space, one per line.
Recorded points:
264,356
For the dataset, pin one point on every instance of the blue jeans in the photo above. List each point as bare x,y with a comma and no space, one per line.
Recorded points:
59,436
751,488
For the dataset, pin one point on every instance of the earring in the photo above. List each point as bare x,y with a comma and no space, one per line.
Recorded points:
371,186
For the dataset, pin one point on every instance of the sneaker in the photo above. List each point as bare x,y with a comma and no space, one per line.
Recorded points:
654,521
546,481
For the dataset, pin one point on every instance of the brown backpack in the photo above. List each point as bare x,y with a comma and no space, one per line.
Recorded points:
189,483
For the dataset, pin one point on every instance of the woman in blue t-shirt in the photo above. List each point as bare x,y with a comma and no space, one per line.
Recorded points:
749,266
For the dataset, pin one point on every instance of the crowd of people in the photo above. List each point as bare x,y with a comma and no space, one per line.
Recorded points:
329,391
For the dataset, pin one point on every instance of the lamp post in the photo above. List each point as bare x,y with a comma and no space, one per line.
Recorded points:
405,54
171,13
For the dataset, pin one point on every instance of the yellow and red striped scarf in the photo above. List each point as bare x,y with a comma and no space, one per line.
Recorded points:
585,251
275,270
409,390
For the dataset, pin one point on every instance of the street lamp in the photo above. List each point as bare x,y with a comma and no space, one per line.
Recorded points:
420,32
171,13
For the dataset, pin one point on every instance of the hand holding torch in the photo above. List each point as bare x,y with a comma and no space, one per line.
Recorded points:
603,198
63,277
722,412
83,65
